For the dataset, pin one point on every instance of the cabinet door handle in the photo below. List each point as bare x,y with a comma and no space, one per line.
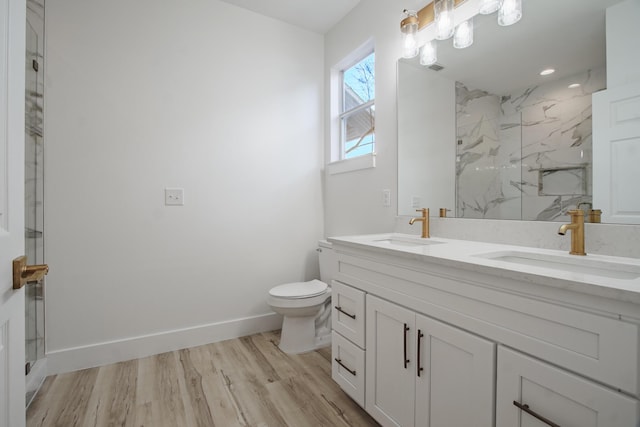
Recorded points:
418,367
528,410
406,361
343,365
353,316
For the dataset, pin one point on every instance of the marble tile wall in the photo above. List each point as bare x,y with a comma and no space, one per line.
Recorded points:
487,157
525,155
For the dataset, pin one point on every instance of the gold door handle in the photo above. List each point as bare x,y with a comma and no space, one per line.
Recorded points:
23,273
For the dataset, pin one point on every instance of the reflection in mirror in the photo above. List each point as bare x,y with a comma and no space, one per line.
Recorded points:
486,135
525,154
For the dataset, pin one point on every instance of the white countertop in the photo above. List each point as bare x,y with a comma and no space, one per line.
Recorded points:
590,273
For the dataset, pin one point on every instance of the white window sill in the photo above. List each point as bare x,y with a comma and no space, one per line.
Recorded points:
350,165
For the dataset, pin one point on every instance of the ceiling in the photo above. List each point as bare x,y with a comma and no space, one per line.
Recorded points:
318,16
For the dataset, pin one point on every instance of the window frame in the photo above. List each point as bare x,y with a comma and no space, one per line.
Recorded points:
343,114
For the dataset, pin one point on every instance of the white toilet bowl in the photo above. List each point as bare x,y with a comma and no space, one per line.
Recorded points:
306,307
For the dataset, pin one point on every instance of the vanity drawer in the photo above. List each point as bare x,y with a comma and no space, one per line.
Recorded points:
348,312
347,367
557,395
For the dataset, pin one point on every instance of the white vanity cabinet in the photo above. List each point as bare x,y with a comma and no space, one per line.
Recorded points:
443,343
422,372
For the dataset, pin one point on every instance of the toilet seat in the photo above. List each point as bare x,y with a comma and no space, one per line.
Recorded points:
299,290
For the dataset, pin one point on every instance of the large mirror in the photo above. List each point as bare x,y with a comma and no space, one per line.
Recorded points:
484,135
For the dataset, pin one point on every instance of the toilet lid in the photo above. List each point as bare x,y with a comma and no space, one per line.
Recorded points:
299,289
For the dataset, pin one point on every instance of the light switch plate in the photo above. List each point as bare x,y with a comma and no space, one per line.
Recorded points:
174,197
386,198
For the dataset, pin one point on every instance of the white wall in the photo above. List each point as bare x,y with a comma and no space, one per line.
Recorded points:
145,95
426,120
622,39
353,200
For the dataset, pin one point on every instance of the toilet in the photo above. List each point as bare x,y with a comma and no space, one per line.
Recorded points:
306,307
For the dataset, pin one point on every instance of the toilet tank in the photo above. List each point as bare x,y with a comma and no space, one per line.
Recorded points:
328,262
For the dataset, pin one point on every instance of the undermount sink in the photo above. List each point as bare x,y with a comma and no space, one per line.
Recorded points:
569,263
407,241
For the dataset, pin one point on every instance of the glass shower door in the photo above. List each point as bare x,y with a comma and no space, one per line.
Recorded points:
34,195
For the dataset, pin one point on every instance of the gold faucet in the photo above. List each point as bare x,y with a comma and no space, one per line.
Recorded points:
425,222
577,231
595,215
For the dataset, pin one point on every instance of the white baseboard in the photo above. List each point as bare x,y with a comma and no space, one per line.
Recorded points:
89,356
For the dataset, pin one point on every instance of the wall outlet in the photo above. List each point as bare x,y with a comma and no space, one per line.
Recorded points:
174,197
416,202
386,198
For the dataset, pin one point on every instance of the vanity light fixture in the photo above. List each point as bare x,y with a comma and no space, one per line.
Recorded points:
547,71
510,12
574,85
428,54
409,28
463,36
487,7
440,12
443,11
426,15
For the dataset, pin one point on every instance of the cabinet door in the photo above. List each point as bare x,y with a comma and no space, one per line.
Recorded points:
456,381
390,369
557,396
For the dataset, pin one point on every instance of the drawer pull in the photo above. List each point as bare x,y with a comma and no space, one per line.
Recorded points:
342,364
406,361
528,410
418,367
353,316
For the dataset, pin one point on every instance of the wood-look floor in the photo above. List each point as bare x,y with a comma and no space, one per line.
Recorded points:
241,382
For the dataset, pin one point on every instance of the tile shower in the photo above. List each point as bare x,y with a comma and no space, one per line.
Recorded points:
34,195
526,154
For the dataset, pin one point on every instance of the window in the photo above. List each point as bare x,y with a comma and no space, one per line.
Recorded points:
357,109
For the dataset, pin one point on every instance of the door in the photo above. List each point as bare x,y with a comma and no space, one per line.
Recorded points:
531,393
616,153
390,367
12,338
455,376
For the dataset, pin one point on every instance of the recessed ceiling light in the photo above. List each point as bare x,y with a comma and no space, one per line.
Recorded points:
574,85
547,72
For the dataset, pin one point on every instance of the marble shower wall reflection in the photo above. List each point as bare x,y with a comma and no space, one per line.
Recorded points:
34,119
525,155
